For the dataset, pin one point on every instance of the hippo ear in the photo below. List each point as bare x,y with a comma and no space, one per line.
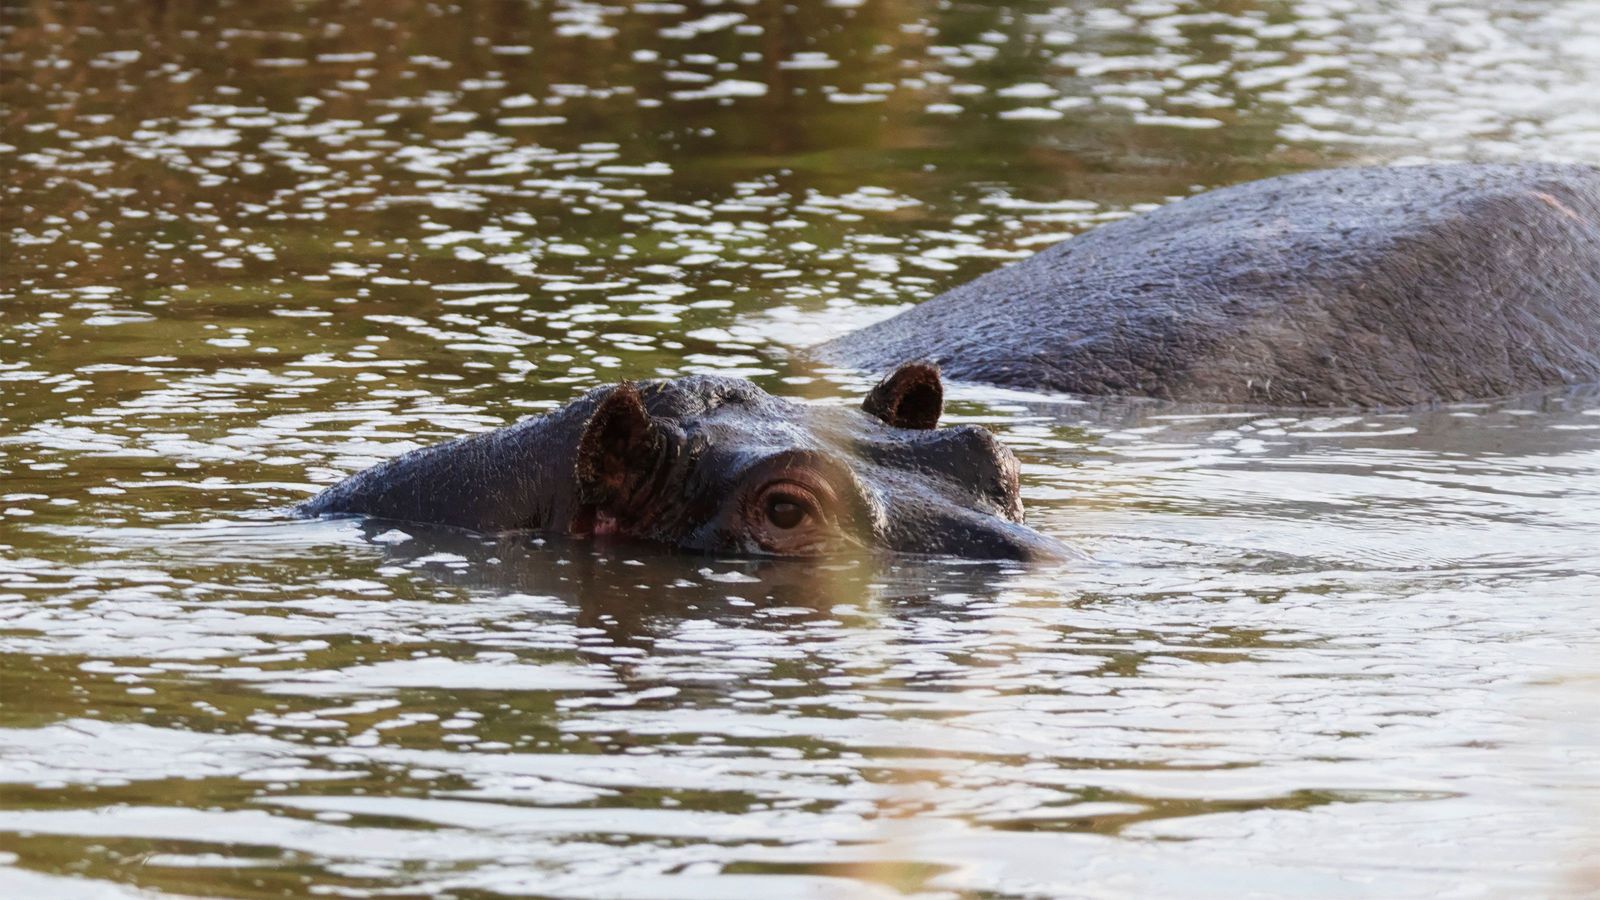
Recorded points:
911,396
617,449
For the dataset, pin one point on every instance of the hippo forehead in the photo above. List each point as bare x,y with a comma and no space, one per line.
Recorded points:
700,395
736,425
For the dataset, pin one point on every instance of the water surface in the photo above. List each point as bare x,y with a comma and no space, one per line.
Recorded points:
246,249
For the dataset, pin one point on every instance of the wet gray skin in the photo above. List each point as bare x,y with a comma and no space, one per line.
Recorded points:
716,464
1360,287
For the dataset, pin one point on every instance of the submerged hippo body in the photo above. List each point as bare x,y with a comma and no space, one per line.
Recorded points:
1349,287
718,465
1358,287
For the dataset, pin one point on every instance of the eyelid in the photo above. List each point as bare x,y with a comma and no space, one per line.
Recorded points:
793,491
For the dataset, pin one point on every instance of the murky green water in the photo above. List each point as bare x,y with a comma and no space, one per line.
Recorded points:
250,247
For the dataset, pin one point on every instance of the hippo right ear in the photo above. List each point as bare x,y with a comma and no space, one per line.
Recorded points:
618,448
911,396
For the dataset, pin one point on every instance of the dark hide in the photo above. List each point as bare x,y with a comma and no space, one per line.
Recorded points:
1351,287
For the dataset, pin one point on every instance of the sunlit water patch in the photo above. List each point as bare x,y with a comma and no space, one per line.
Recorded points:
251,250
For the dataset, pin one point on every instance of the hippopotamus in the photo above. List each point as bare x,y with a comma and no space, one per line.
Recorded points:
1360,287
717,465
1355,288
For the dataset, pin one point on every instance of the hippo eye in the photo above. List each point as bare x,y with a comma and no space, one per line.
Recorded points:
789,518
785,512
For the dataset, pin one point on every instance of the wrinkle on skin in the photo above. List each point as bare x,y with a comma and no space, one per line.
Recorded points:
1561,207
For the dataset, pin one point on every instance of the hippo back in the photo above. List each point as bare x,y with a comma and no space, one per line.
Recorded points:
1348,287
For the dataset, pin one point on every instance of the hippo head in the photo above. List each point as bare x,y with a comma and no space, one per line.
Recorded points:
717,464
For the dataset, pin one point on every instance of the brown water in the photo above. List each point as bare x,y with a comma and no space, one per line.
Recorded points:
251,247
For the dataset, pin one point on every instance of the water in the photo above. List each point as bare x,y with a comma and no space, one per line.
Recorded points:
250,248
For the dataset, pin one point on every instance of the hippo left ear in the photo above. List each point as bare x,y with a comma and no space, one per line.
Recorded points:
911,396
617,450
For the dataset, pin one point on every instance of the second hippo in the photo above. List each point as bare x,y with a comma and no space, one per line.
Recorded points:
1361,287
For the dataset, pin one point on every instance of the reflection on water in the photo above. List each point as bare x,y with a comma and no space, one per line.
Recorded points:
249,248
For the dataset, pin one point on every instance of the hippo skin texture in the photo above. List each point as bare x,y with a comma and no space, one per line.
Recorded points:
1361,287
